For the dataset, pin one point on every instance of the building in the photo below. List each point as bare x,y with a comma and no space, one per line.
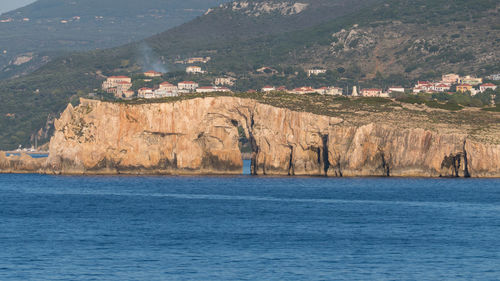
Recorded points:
330,91
450,78
267,70
152,74
221,81
266,89
441,88
487,86
187,86
470,80
281,89
112,81
396,89
371,92
462,88
311,72
494,77
213,89
146,93
168,87
194,70
163,93
198,60
303,90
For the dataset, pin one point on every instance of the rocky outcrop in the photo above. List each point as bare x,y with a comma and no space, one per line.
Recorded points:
22,163
200,136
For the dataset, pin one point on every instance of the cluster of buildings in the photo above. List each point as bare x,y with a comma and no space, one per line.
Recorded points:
332,91
121,87
462,84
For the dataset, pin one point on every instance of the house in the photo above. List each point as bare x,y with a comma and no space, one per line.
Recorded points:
450,78
317,71
267,70
266,89
187,86
470,80
152,74
112,81
371,92
331,91
423,87
281,89
121,88
212,89
198,60
146,93
168,87
462,88
441,88
487,86
229,81
303,90
494,77
163,93
194,70
396,89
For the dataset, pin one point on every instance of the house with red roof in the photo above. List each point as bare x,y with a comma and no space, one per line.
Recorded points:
187,86
152,74
487,86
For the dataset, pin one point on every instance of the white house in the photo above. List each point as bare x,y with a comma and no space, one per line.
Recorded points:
487,86
311,72
194,70
396,89
266,89
187,86
212,89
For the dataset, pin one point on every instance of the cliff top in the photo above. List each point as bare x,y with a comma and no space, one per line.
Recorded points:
478,124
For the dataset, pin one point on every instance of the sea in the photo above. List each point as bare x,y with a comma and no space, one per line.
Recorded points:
248,228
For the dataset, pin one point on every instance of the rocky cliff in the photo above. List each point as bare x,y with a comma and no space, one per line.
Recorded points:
201,136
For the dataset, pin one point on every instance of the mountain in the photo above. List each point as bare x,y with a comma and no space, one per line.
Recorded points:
33,35
375,41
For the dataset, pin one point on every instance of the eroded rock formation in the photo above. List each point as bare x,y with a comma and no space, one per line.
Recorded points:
200,136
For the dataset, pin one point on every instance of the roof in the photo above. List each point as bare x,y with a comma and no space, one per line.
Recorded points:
378,90
145,89
187,82
166,83
488,85
152,71
268,87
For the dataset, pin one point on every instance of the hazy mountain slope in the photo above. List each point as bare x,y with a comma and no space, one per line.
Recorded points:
32,35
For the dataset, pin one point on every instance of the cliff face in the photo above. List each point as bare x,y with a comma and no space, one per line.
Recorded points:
200,136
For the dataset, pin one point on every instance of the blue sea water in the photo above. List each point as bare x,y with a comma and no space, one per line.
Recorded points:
248,228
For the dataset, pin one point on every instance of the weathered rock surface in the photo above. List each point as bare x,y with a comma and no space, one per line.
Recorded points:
200,136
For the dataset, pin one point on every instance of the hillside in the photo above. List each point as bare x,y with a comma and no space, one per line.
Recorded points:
32,35
378,41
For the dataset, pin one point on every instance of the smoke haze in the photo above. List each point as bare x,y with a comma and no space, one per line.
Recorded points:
149,60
